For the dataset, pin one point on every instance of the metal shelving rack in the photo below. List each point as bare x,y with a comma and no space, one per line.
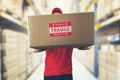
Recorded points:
6,16
94,3
15,23
7,19
110,24
108,27
9,22
100,27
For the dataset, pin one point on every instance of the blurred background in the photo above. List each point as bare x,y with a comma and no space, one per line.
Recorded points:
19,62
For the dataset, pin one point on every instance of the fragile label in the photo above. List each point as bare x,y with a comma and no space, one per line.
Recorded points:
60,29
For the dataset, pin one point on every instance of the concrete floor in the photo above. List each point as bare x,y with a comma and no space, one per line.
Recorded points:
79,71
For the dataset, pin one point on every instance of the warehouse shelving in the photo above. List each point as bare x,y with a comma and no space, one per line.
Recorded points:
14,36
107,22
107,32
109,37
113,22
10,18
12,24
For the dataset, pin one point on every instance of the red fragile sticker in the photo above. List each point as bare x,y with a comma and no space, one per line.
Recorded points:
60,29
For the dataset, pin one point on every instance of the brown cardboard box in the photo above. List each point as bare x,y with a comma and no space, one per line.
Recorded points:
62,30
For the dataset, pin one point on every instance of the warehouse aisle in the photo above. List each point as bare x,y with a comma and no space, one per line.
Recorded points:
79,72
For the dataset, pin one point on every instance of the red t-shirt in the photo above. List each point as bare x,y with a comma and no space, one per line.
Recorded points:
58,61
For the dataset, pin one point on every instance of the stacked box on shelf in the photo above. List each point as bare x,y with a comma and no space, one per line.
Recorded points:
33,60
117,49
10,54
90,59
102,65
13,6
119,64
29,61
36,60
105,5
110,7
108,65
112,66
22,51
0,49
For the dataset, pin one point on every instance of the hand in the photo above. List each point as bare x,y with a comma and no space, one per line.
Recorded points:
85,48
38,50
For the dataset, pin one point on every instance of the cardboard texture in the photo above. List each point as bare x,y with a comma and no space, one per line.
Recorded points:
61,30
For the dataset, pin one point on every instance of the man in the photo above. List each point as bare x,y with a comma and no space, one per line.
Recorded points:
58,62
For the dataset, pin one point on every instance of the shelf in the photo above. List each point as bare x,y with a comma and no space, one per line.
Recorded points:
111,22
11,19
116,42
111,29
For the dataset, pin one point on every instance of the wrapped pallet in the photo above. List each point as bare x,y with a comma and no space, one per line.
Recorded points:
10,55
22,51
109,65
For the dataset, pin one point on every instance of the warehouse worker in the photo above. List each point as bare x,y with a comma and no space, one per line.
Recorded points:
58,62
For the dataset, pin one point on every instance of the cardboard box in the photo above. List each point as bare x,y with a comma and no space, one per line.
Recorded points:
62,30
